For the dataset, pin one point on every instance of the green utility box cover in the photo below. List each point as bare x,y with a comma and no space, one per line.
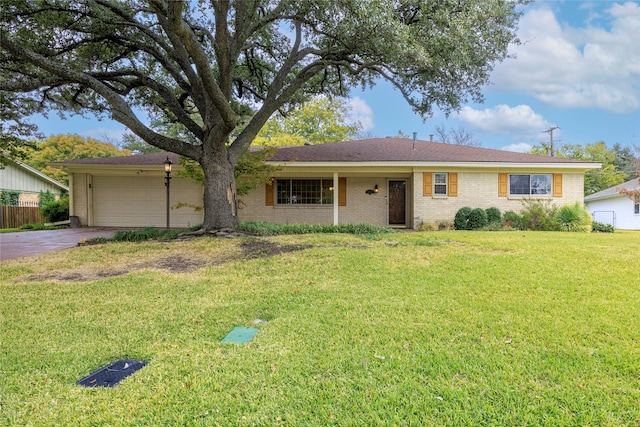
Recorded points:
240,335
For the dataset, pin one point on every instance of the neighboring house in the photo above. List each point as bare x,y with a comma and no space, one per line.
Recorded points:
392,182
620,210
28,182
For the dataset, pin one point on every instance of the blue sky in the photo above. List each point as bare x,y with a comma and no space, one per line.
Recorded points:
578,68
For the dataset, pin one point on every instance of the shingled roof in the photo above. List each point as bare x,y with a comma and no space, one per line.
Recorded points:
614,191
374,150
404,150
155,159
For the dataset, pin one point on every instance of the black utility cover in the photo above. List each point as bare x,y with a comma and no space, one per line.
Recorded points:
110,375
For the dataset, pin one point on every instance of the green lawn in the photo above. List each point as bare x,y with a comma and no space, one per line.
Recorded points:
442,328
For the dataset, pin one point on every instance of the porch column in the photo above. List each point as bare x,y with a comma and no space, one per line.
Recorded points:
336,218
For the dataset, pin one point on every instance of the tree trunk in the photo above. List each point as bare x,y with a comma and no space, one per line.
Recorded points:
220,198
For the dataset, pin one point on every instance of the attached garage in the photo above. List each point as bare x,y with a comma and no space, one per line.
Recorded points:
130,192
141,202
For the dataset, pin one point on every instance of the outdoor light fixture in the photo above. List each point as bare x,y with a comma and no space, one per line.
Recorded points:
375,190
167,169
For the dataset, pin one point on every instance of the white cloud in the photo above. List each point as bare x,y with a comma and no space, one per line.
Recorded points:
569,67
521,147
361,112
110,135
520,121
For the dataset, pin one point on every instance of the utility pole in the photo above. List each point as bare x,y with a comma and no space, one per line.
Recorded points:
550,132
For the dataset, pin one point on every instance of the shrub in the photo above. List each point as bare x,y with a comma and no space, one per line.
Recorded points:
493,215
573,218
427,226
46,197
267,229
510,219
57,210
539,215
33,227
9,197
445,225
461,220
598,227
477,219
149,233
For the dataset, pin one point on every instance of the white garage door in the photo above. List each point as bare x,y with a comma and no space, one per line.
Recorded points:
139,201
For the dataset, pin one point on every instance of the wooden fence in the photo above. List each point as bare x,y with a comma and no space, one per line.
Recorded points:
16,216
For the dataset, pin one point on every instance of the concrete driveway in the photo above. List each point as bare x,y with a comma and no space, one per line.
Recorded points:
18,245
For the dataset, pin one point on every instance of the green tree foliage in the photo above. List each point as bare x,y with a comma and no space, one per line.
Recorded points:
46,197
320,120
175,59
598,179
137,145
16,134
68,147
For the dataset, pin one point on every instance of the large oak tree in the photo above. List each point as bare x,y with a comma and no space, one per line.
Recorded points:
169,61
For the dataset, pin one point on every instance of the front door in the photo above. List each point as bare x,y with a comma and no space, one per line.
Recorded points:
397,202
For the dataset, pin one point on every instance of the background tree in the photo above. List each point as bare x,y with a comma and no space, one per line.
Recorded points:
16,136
594,180
68,147
214,59
458,136
320,120
137,145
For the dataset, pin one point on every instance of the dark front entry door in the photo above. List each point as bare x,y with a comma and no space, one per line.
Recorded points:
397,202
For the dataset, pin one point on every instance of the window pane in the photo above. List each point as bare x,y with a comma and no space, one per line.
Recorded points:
440,178
519,184
636,205
540,184
440,183
283,189
440,189
304,191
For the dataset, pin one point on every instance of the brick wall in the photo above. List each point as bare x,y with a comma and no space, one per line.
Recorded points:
480,190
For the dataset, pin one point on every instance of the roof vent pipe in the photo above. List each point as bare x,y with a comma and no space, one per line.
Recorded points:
414,139
431,138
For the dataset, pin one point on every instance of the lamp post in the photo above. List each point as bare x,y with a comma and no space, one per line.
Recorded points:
167,170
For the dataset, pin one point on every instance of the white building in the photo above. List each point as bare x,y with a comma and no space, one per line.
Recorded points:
620,210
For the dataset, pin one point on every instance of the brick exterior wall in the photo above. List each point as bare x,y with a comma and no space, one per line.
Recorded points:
480,190
476,189
361,207
78,197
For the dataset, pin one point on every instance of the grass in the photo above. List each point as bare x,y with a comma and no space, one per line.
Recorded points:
445,328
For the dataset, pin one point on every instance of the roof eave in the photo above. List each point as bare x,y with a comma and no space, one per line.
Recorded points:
40,175
439,164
